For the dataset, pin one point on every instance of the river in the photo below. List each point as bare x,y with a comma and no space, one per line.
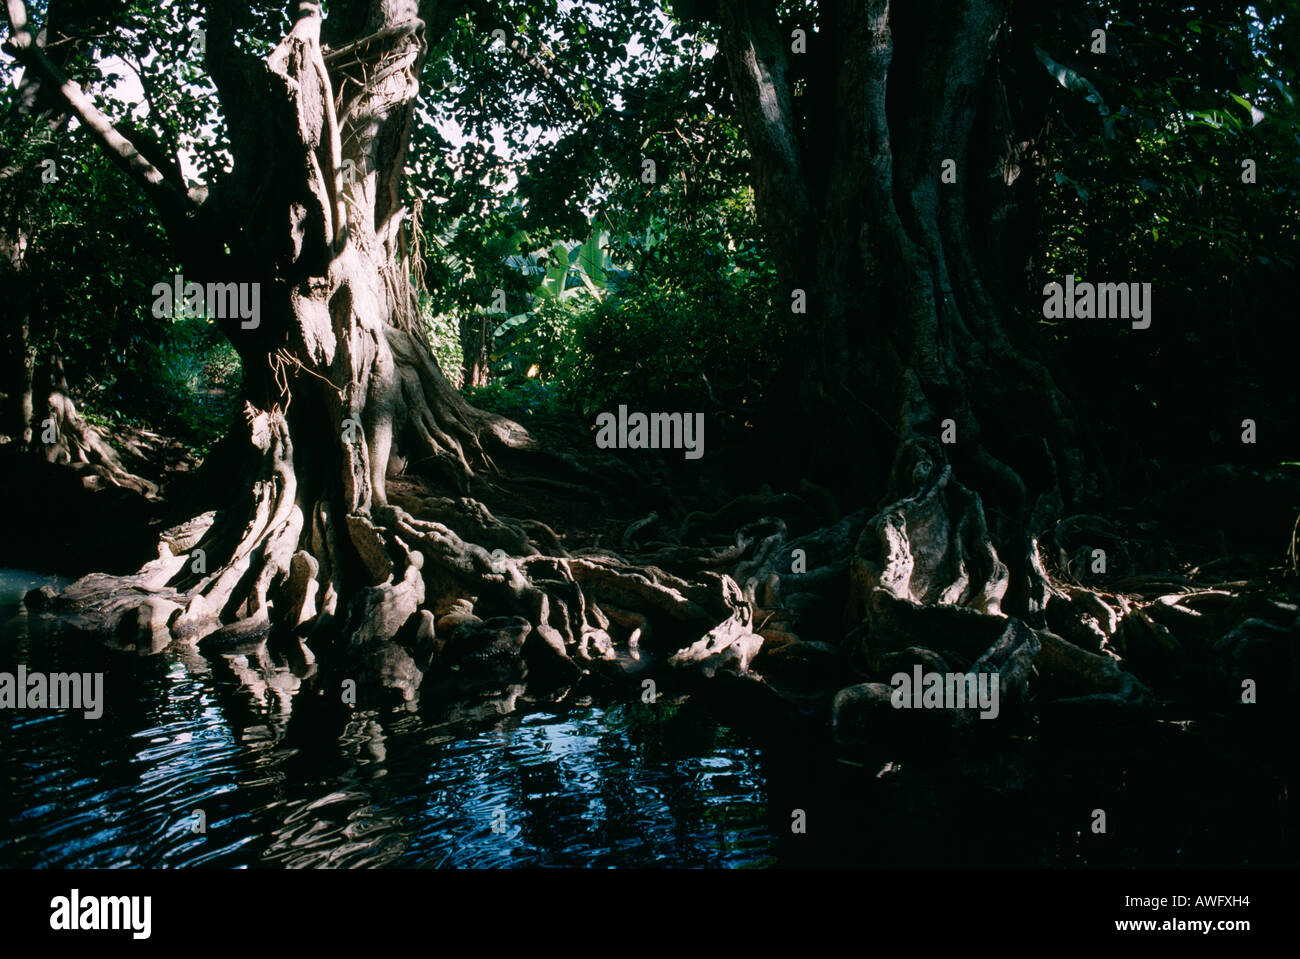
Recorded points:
188,766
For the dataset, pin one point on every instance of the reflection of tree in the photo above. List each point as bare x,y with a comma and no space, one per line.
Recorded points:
289,776
627,785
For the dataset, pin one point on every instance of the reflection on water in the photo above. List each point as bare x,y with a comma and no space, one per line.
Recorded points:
286,779
580,785
588,786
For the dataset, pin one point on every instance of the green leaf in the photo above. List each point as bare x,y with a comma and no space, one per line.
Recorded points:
1257,115
1072,80
510,324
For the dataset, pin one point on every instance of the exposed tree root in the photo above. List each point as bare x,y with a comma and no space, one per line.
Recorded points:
924,584
398,594
308,561
62,436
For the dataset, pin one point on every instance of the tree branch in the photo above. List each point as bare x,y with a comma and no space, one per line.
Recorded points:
534,62
557,87
241,88
755,54
164,194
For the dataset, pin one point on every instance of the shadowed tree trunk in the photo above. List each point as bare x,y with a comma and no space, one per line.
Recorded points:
911,330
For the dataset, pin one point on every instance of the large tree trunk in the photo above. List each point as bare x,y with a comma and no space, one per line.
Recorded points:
910,284
309,556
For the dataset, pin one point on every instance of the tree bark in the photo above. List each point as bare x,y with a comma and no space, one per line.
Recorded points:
474,350
305,554
909,332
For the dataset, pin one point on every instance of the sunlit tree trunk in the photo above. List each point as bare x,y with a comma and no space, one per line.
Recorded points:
298,544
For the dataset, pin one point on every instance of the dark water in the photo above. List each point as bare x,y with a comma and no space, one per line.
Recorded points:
283,780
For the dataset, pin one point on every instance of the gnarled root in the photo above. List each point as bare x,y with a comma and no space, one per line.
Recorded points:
271,571
64,437
925,586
